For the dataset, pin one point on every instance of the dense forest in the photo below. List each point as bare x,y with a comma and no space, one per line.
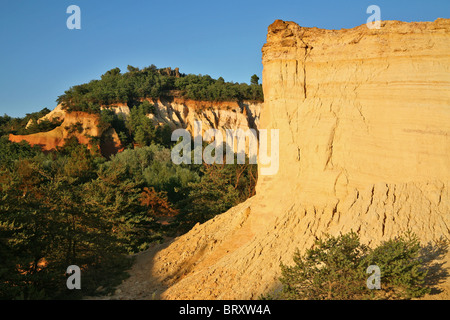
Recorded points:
150,82
73,206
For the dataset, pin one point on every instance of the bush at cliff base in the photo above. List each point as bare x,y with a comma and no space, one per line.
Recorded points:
335,269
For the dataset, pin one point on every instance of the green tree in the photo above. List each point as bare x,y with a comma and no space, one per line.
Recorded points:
254,80
116,195
213,194
50,221
335,269
401,266
141,127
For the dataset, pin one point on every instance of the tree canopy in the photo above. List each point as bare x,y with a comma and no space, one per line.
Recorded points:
72,206
137,84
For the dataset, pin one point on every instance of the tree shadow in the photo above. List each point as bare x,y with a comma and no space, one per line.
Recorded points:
432,256
140,281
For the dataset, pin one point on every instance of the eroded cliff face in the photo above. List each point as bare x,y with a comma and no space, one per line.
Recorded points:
176,112
182,113
364,122
81,125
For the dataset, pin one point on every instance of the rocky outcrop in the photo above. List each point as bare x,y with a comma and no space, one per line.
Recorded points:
81,125
174,112
120,109
56,114
364,122
169,72
182,113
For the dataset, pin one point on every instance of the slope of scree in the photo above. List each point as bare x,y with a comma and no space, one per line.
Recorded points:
364,123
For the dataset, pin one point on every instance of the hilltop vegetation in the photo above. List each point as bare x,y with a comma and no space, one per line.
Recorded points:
137,84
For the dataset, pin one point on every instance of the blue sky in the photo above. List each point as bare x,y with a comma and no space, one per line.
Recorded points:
40,57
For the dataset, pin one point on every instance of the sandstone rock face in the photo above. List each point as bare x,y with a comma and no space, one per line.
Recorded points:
76,124
56,114
119,109
182,113
364,123
177,113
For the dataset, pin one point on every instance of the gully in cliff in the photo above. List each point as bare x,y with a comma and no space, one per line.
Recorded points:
213,153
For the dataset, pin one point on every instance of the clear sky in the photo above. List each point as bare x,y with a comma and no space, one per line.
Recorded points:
40,57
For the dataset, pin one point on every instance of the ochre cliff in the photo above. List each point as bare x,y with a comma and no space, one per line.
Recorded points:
364,123
81,125
175,112
181,113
